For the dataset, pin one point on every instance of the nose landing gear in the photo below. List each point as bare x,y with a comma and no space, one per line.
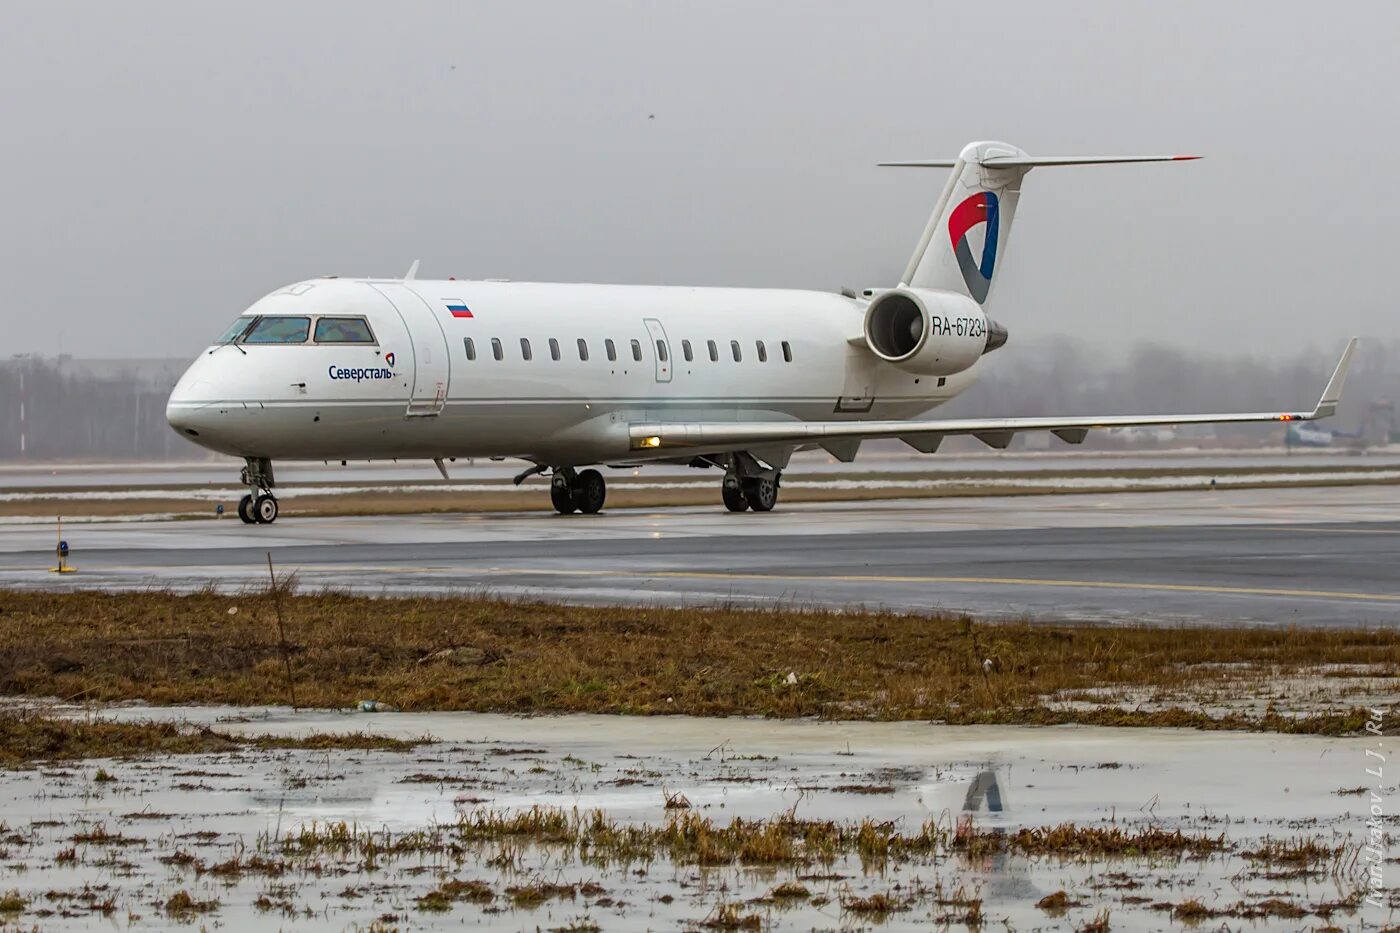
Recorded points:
260,506
572,491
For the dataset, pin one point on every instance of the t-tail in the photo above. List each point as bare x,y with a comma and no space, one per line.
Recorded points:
964,243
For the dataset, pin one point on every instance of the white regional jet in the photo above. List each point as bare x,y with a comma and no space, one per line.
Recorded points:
568,376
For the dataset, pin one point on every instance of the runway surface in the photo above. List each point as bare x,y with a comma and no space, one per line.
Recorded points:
1326,556
876,457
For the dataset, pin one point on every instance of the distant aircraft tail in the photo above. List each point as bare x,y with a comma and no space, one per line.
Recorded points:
962,245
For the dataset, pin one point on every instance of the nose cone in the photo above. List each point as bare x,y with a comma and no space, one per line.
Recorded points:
183,418
188,400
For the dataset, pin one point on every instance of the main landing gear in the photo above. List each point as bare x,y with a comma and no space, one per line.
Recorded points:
748,482
259,507
759,493
577,491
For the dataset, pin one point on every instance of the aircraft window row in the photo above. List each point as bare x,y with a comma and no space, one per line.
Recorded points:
662,352
291,329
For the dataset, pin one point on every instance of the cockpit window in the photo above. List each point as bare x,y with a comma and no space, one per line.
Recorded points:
343,330
235,330
279,330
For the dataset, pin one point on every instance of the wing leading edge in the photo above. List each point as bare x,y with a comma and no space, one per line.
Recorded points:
925,436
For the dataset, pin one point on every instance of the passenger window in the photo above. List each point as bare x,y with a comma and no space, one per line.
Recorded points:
787,352
343,330
661,353
734,348
685,351
525,353
762,352
496,349
279,330
637,350
471,349
235,330
612,350
714,351
553,349
583,349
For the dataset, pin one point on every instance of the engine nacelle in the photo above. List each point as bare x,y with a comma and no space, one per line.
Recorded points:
934,333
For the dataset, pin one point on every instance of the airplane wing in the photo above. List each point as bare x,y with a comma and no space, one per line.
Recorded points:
925,436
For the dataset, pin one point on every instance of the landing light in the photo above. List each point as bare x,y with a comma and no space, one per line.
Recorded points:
651,441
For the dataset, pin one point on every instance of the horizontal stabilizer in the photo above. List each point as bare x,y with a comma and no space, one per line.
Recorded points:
998,161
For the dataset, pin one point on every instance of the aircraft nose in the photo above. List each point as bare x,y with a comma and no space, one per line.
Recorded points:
185,410
184,414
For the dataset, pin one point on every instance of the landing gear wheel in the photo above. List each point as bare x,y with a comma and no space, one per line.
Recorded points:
561,493
733,494
245,510
590,490
761,494
265,510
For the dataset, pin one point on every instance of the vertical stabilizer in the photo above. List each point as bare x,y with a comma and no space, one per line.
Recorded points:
965,241
966,236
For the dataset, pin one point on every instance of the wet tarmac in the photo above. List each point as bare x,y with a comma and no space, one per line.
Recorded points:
253,836
959,455
1316,556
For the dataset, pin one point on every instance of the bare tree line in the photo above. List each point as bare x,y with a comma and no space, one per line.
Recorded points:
56,409
62,409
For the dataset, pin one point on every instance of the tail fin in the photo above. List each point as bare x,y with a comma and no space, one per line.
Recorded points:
966,236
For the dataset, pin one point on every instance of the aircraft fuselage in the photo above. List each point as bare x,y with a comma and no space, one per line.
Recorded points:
506,369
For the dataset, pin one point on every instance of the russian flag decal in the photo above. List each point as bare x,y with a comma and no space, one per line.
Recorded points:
458,308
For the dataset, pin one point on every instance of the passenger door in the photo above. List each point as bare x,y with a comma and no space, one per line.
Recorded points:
431,363
660,347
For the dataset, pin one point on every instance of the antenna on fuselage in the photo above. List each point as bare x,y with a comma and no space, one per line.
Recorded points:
412,272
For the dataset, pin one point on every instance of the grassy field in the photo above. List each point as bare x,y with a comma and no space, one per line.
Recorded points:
444,653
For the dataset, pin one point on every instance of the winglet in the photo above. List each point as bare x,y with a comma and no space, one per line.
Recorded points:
1327,405
412,272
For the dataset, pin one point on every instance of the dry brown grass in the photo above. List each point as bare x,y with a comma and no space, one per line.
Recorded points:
25,738
30,736
425,653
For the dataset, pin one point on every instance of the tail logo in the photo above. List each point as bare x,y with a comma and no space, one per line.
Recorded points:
981,208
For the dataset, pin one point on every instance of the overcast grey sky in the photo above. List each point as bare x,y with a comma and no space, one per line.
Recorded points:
164,164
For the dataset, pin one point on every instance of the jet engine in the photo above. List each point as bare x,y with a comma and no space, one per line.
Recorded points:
930,332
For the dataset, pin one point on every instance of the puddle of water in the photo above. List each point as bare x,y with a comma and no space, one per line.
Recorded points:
166,823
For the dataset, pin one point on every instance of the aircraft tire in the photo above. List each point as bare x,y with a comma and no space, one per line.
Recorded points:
590,490
562,495
734,498
245,510
761,494
265,510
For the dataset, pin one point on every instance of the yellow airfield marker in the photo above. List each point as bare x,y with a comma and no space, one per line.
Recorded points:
62,551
